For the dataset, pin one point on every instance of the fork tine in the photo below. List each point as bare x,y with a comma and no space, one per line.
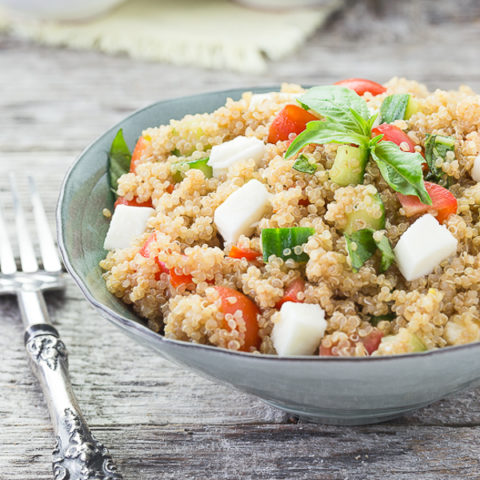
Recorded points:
7,260
51,262
27,254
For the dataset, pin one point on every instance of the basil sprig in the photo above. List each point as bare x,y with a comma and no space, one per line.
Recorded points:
394,107
362,244
119,158
347,120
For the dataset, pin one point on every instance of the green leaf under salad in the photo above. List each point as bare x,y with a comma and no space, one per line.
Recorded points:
119,158
437,146
394,107
303,164
348,122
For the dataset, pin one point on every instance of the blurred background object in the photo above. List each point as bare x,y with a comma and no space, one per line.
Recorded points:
60,9
218,34
207,33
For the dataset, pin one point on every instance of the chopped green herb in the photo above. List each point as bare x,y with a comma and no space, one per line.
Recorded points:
348,122
360,247
437,146
176,152
382,318
302,164
119,158
286,243
179,169
386,250
362,244
394,107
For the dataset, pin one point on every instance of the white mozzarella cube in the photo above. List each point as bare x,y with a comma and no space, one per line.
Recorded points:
126,224
240,148
299,330
241,210
475,173
423,246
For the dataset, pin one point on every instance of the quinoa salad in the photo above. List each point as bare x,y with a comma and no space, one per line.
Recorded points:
341,220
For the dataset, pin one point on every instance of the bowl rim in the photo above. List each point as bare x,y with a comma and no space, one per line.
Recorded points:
126,324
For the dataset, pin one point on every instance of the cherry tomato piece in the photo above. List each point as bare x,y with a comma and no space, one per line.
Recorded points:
361,85
392,133
372,340
132,203
291,292
249,311
443,203
137,153
236,252
291,119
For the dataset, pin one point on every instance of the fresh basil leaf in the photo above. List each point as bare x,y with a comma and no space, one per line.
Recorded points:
437,146
389,317
401,170
302,164
119,159
360,246
336,103
388,257
324,132
394,107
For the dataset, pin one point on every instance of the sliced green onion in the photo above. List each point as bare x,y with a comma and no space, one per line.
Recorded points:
283,243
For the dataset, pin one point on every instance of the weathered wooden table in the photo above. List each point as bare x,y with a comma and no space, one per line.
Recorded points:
161,421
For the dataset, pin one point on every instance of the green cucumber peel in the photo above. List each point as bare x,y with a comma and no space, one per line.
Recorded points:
275,241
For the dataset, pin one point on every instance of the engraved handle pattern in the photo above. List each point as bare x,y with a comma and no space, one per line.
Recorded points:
77,454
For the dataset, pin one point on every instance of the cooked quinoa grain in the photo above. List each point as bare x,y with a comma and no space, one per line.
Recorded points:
170,274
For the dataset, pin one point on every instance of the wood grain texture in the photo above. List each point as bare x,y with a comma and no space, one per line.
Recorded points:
161,421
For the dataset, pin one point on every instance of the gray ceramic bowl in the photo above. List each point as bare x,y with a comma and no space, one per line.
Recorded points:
328,389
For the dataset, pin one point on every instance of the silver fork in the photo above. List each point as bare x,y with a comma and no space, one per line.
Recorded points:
77,454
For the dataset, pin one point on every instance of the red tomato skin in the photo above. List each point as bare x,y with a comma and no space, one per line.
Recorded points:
249,310
177,280
236,252
137,153
392,133
170,188
361,85
443,203
372,340
132,203
291,293
291,119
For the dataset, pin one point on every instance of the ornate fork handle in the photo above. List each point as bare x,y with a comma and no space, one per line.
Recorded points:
77,454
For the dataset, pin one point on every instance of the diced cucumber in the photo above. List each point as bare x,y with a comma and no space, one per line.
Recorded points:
179,169
361,218
281,242
349,165
399,106
411,343
412,108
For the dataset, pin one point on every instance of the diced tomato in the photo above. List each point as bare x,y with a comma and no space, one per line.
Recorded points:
392,133
443,203
291,119
372,340
236,252
170,188
291,292
248,309
132,203
304,202
360,86
175,279
137,153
